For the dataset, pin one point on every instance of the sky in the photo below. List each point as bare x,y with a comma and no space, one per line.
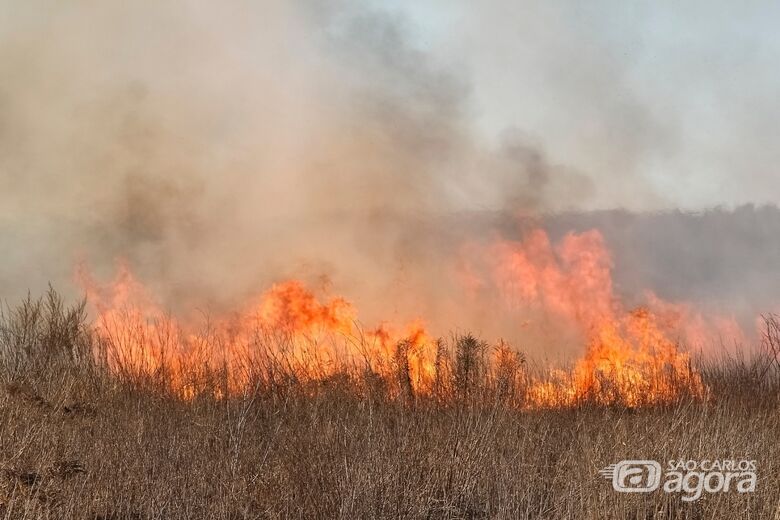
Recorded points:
664,104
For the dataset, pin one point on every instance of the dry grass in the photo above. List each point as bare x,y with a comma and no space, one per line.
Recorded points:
77,442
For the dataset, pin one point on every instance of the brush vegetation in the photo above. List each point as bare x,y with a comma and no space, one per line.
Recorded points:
80,441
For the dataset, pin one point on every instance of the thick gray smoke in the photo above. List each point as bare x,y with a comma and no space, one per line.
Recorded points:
220,147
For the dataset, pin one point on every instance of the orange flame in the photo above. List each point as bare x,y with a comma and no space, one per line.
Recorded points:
287,323
631,356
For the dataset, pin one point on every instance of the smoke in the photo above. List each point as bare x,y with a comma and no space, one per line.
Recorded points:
219,148
721,260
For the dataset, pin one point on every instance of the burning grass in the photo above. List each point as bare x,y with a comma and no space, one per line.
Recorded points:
416,367
82,439
632,356
290,408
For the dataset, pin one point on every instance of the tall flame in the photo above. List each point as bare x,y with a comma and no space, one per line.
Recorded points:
632,356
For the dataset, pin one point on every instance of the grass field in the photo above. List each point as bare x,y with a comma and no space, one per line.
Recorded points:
78,440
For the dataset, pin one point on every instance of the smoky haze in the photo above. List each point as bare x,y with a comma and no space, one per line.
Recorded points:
216,148
221,148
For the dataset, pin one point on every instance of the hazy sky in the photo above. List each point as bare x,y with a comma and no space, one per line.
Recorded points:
665,104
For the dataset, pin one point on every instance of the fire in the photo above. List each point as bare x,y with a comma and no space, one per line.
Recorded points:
286,325
632,356
630,363
291,306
